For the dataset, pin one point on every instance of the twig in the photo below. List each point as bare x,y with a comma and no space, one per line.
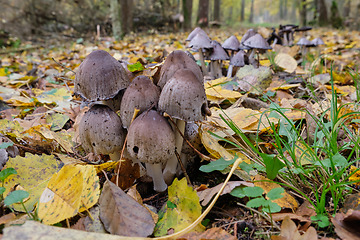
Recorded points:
183,168
63,66
18,49
28,149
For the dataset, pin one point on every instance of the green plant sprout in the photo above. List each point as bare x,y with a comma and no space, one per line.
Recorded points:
17,196
5,173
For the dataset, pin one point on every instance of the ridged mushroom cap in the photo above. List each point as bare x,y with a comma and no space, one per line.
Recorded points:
100,130
142,93
304,42
249,33
178,60
238,59
232,43
151,139
100,77
183,97
200,41
317,41
194,32
218,52
257,42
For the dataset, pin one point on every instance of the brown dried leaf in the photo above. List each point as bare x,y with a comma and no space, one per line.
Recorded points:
347,225
122,215
212,233
289,231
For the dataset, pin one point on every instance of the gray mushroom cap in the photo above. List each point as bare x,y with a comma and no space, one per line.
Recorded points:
304,42
257,42
232,43
100,130
218,52
142,94
238,59
249,33
100,77
178,60
200,41
194,32
183,97
151,138
317,41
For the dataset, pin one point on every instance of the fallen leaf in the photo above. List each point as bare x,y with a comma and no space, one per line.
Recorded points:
289,231
213,147
123,215
212,233
346,225
286,62
73,189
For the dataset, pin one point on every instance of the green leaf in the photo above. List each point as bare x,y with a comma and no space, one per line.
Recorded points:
170,205
136,67
6,144
16,197
271,207
219,165
256,202
338,161
246,166
2,190
275,193
238,192
5,173
273,164
253,191
322,220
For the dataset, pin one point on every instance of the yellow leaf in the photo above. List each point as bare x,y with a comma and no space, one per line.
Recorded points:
213,147
285,202
287,62
33,174
73,189
286,86
218,94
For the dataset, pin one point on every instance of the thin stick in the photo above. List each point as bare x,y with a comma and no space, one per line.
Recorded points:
63,66
183,168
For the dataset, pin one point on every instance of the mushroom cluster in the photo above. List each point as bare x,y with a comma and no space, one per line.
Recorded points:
151,138
238,52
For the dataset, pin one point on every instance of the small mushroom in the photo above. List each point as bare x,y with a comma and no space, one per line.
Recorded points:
304,43
216,57
238,61
316,42
183,98
256,42
194,32
151,140
249,33
178,60
100,77
142,94
101,132
202,43
231,44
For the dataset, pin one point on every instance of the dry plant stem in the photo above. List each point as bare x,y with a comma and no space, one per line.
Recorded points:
261,214
171,165
183,168
155,171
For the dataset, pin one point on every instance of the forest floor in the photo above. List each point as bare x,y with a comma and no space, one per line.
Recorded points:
286,144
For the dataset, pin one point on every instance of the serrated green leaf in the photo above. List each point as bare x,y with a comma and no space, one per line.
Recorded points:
219,165
5,173
275,193
253,191
256,202
136,67
16,197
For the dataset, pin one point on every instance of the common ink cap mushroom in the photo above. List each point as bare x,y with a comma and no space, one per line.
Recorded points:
100,77
142,94
101,131
151,140
194,32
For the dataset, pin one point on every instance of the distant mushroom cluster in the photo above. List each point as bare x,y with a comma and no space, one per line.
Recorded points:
238,52
152,139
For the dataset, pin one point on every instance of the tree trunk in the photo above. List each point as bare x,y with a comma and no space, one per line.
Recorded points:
187,12
285,9
217,10
242,11
293,11
281,9
347,9
251,17
115,19
323,17
126,16
302,12
203,13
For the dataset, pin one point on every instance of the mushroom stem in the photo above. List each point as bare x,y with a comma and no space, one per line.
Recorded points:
155,172
115,156
230,69
203,66
172,163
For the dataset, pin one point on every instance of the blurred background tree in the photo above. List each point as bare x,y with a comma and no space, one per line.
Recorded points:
45,19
